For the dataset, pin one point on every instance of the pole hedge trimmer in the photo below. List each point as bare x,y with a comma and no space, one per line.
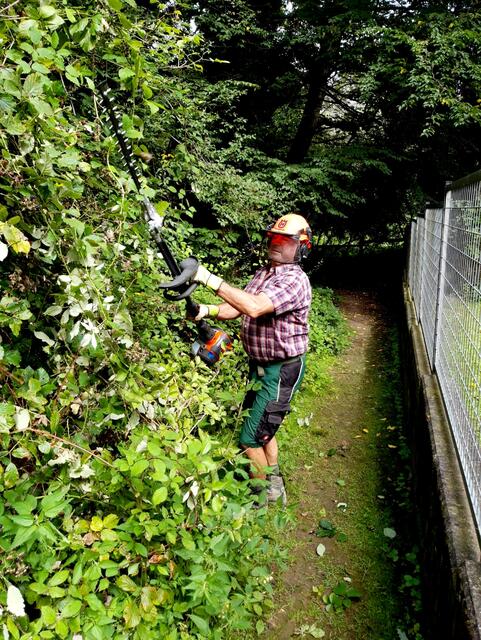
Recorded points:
211,342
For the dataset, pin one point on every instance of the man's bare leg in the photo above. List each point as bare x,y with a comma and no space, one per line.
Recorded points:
257,456
271,451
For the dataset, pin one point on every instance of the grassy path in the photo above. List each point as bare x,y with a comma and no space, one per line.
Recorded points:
337,470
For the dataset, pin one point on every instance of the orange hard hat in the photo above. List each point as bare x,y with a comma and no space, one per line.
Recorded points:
295,226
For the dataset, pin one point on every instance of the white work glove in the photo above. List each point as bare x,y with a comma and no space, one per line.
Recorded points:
207,278
207,310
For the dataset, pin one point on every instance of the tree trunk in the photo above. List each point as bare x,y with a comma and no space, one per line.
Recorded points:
307,126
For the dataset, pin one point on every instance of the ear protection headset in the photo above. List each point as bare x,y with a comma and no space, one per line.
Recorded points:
305,246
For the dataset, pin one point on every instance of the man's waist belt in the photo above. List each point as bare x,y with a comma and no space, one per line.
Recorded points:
260,365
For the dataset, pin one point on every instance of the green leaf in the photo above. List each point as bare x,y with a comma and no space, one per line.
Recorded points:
201,624
22,521
10,476
94,602
111,521
126,73
72,608
46,11
340,589
138,468
27,505
44,338
42,107
159,495
217,504
132,614
56,592
61,628
13,126
49,615
108,535
12,627
326,529
54,310
23,535
33,85
126,584
54,503
77,573
59,577
389,533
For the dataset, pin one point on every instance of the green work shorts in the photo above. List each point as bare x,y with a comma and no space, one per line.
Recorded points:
268,405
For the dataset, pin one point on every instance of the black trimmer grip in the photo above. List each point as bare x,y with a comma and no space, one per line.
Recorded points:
188,268
170,295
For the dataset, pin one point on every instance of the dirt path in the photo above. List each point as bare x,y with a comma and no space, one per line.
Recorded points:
338,477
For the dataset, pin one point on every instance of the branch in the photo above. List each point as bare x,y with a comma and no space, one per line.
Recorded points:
10,375
6,15
69,443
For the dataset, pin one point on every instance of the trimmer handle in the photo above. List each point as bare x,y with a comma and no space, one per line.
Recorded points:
182,295
188,268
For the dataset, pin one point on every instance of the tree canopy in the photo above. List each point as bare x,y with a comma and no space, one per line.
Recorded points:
355,111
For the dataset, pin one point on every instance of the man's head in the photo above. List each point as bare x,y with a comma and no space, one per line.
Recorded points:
289,239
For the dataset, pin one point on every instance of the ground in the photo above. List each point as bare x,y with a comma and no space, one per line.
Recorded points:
337,455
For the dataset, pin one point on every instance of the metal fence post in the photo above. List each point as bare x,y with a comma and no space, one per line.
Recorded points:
422,265
441,270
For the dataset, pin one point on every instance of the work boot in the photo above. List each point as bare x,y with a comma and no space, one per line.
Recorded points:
259,495
276,490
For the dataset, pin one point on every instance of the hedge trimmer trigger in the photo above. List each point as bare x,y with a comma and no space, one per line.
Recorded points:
211,342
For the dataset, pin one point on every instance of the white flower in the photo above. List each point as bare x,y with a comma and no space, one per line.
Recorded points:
64,456
81,471
3,250
22,419
194,488
142,446
15,603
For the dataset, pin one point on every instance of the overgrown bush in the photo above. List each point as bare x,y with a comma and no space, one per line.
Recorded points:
123,507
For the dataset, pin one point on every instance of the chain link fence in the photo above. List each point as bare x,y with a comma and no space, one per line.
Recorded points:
444,276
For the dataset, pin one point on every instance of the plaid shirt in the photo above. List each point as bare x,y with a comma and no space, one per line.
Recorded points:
283,333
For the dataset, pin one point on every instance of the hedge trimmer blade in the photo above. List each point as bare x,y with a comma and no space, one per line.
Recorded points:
212,341
115,121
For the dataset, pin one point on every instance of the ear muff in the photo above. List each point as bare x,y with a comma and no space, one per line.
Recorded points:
305,245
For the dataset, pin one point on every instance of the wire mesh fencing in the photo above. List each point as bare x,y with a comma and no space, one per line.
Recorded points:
444,276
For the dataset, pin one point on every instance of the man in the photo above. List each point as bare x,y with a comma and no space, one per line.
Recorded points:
275,307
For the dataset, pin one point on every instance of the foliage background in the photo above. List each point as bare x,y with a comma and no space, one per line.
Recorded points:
123,508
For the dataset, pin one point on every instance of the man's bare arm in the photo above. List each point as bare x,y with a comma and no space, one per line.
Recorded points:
249,304
227,312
